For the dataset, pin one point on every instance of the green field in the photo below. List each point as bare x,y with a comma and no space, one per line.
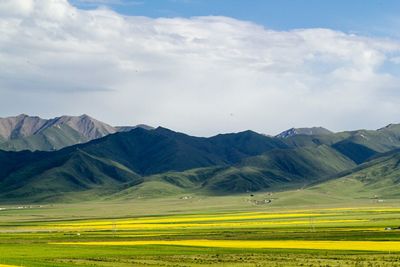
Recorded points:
203,231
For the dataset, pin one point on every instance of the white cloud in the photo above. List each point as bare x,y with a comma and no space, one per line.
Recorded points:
106,2
200,75
16,7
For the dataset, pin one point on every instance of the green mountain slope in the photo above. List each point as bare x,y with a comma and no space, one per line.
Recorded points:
54,177
275,169
279,168
312,162
378,178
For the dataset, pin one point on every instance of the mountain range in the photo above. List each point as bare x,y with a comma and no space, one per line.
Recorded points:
80,158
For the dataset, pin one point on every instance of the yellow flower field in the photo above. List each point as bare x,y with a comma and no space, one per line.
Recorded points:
215,225
260,236
220,219
287,244
197,218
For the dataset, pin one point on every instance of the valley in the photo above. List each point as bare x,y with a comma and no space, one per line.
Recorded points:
203,231
141,196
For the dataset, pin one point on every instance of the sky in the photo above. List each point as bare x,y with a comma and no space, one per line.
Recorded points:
368,17
203,66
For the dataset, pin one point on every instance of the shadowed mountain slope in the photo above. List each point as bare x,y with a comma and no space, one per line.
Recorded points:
275,169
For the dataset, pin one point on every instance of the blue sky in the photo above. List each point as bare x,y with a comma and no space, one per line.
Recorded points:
260,65
367,17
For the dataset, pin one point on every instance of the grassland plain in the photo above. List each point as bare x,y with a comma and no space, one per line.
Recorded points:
202,231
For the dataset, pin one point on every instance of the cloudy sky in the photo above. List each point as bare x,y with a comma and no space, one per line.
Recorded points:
201,66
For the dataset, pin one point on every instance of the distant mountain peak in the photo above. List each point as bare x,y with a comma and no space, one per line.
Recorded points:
130,128
389,127
19,126
163,129
22,115
23,132
303,131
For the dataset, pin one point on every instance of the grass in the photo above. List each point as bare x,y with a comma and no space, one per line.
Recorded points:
213,231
